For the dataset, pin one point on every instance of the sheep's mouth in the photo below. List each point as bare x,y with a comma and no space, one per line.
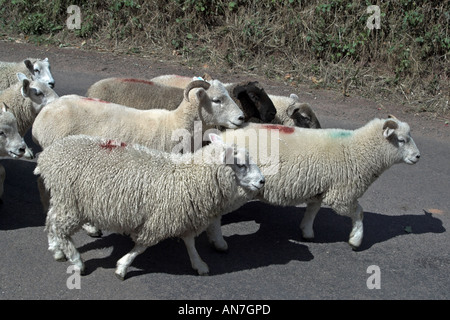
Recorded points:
15,155
232,125
257,188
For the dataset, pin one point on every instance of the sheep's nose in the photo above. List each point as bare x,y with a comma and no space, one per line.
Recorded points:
418,156
51,84
262,181
241,118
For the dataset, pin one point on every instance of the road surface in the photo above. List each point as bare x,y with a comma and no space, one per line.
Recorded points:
404,255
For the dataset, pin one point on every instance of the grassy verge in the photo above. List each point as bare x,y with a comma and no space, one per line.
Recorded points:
324,44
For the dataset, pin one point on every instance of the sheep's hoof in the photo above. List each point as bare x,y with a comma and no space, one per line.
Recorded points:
60,257
97,234
220,248
120,276
203,274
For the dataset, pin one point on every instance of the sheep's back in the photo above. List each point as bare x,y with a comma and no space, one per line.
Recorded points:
122,189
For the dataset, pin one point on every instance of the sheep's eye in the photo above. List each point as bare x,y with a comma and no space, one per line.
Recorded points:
216,101
401,140
2,133
36,71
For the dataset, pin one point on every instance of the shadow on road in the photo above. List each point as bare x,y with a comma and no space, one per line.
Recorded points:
276,241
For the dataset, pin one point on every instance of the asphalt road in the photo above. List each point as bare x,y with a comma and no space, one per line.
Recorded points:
406,222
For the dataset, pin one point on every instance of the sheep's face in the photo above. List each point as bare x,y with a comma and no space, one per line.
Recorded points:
398,134
301,114
11,143
219,109
255,102
40,70
36,91
248,174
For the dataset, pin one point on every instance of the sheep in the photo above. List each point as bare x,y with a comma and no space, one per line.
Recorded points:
144,95
11,142
291,112
27,98
70,115
248,95
332,167
34,68
148,194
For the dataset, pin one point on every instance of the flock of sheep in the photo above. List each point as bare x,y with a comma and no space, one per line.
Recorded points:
111,160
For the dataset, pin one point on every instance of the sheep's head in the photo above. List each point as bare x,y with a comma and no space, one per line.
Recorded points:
248,174
216,106
38,92
11,143
40,70
255,101
398,134
301,114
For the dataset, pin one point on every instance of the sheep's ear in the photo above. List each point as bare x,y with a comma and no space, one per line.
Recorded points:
200,94
25,88
294,96
29,66
4,107
389,128
21,76
215,138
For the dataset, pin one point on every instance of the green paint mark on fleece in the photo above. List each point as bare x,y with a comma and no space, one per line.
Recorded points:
341,133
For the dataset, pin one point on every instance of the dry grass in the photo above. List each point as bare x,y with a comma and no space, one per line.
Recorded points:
320,43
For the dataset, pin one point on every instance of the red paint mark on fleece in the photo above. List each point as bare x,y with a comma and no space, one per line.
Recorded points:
112,144
137,81
96,100
282,129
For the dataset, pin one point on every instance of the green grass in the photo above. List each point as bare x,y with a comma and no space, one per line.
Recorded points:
294,40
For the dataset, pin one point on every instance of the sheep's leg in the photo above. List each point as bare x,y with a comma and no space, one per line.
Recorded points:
124,262
59,241
44,194
197,263
92,231
215,237
356,235
306,225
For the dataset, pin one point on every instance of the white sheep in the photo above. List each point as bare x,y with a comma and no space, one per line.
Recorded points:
70,115
292,112
148,194
26,98
34,68
143,94
11,142
331,167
